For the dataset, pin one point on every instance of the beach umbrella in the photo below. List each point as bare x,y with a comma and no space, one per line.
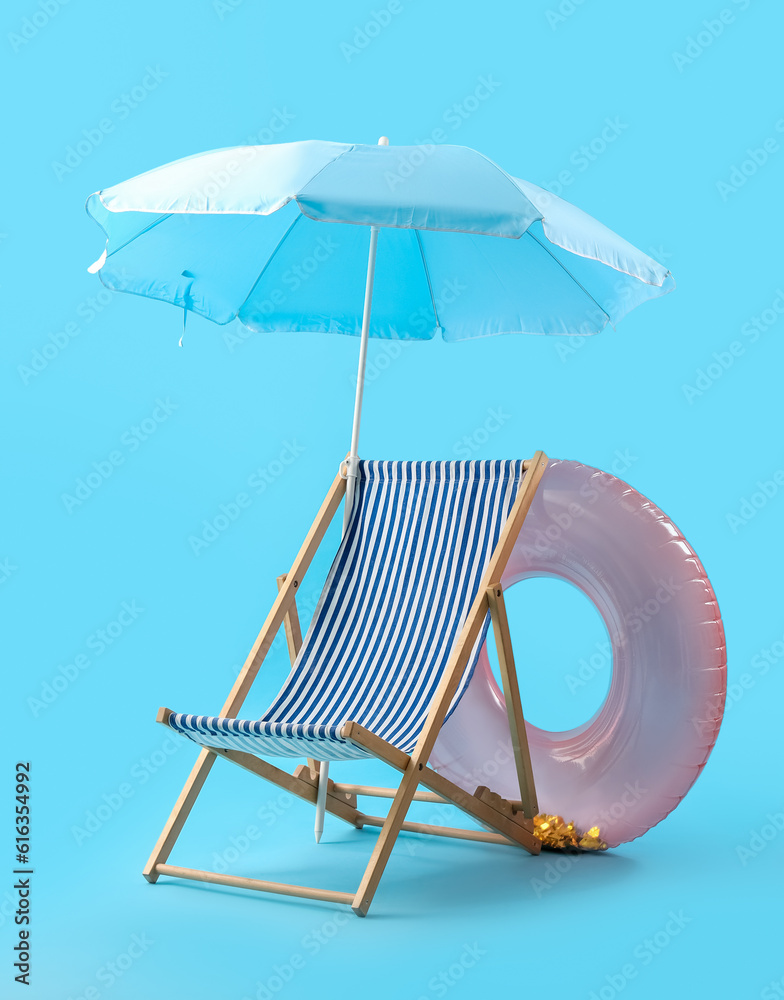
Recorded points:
394,242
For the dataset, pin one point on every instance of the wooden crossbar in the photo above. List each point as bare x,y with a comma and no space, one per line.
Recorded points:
386,793
240,882
374,791
455,832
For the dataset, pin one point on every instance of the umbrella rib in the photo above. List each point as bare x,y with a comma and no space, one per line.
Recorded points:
579,284
267,263
427,276
141,232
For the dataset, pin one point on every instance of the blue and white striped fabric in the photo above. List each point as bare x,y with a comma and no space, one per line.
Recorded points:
397,595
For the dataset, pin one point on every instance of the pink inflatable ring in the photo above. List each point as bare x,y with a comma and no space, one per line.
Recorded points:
631,764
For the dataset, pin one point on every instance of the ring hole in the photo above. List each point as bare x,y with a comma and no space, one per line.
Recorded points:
562,653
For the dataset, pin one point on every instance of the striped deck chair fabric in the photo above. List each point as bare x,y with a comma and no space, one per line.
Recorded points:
404,577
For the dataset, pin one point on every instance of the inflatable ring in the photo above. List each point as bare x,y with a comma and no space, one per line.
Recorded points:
634,760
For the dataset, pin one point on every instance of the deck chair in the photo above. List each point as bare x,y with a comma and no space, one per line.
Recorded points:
391,647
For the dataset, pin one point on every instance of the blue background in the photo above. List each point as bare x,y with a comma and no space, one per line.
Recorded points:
232,73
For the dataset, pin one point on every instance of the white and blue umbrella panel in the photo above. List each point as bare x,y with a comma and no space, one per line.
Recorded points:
463,247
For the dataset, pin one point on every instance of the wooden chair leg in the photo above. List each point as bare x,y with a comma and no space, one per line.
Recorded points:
514,709
386,839
179,814
294,642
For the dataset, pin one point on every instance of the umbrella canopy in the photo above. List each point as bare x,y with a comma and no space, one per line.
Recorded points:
463,247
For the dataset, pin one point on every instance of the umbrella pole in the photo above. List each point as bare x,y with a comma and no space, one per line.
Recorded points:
352,463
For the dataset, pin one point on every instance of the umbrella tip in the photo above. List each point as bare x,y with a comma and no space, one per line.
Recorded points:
96,267
383,141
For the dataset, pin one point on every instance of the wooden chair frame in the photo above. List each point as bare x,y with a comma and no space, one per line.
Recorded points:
509,822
